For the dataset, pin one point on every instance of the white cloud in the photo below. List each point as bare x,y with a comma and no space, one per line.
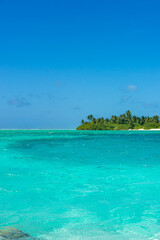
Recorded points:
18,102
132,88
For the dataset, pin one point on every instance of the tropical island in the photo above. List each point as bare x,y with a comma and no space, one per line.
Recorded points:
125,121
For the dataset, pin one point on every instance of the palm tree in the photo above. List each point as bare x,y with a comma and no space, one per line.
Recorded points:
156,118
94,120
128,114
99,120
90,117
134,118
142,120
82,122
113,119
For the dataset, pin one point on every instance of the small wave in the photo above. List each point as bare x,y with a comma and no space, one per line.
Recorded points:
68,234
6,190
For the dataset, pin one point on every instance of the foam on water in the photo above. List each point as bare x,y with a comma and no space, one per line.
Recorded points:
81,184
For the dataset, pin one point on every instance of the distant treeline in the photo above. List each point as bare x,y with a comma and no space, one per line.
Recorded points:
123,122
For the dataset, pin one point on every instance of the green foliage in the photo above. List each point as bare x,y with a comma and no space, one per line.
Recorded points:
90,117
123,122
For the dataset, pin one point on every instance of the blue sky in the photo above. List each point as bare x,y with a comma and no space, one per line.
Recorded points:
63,60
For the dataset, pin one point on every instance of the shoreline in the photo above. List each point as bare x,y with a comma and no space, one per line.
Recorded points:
141,129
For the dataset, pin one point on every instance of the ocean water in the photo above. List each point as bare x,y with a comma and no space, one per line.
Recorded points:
98,185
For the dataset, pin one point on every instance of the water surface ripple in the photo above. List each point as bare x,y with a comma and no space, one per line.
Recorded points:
86,185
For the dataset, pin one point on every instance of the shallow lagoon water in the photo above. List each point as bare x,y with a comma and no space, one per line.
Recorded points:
94,185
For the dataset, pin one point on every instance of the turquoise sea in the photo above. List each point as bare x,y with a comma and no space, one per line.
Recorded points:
81,185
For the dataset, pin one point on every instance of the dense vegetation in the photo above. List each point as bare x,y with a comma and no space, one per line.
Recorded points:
123,122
